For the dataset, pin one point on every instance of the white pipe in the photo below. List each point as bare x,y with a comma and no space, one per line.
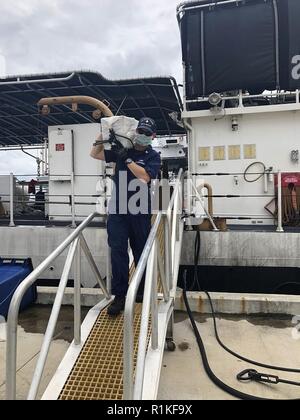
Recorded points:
30,82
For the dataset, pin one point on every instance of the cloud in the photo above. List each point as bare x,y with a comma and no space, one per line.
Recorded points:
120,39
17,163
117,38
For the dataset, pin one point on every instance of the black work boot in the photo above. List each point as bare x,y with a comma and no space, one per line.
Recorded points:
139,298
117,306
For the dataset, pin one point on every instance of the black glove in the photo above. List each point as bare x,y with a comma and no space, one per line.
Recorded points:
121,152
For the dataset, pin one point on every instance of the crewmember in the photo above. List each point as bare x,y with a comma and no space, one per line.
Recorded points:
130,207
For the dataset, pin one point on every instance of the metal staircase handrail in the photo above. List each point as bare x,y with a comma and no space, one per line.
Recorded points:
13,315
151,260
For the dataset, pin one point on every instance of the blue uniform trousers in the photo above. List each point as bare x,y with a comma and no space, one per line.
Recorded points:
121,229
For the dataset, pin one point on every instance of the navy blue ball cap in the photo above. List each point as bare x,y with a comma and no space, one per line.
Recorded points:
147,126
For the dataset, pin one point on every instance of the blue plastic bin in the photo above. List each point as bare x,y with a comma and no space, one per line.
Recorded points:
12,273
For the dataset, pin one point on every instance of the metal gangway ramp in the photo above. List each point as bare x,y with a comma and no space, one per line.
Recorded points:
110,358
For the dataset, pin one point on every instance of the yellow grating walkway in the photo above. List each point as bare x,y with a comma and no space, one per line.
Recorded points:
98,373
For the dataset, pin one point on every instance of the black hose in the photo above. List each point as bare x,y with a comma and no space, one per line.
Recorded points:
208,370
259,177
233,353
210,373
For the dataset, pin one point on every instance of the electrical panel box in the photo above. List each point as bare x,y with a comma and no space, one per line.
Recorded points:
70,148
61,156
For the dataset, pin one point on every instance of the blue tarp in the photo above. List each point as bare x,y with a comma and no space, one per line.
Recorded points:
12,273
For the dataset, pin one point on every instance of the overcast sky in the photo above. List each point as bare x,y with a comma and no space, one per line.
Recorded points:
118,38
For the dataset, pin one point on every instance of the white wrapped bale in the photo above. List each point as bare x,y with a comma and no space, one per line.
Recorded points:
122,126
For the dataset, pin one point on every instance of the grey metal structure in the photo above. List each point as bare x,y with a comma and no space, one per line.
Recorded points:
21,121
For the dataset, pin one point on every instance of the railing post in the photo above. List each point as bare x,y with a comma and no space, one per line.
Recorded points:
48,337
174,231
128,352
94,267
146,262
12,318
77,297
168,262
143,339
241,103
280,228
154,305
11,357
73,200
11,201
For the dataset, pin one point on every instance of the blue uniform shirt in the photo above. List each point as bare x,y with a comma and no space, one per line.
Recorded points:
127,186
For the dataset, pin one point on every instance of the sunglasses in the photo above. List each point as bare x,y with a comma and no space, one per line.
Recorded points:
145,132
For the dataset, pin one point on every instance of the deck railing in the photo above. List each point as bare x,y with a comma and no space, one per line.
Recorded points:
76,242
75,201
159,265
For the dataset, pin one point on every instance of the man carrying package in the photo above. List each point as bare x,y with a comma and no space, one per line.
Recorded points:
129,219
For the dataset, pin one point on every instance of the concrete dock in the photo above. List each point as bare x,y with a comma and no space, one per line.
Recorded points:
270,339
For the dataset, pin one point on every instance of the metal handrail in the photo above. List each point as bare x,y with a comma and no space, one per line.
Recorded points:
52,322
12,320
242,96
133,389
13,200
30,82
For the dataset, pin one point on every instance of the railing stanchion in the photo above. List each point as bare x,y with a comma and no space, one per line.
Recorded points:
11,200
77,297
73,200
168,266
13,314
37,376
280,228
154,305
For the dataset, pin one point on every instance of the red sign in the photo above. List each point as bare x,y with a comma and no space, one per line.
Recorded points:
289,178
60,147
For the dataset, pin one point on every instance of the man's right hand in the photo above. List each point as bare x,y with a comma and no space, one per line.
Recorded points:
121,152
98,150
